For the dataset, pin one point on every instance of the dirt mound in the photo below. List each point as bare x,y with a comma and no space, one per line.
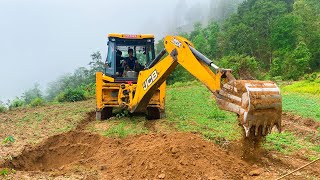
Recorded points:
303,127
169,156
57,151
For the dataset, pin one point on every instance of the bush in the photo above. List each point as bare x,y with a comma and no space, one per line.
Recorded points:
38,101
311,77
72,95
17,102
243,67
291,65
31,94
3,108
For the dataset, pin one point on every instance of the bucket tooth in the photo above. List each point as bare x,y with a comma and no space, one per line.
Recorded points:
256,131
264,130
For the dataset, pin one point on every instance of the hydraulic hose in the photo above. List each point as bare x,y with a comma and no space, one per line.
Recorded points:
203,58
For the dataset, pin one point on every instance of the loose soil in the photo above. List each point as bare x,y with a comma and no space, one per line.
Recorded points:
302,127
79,154
171,156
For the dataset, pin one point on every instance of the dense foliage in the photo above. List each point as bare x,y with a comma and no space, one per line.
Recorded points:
278,38
72,95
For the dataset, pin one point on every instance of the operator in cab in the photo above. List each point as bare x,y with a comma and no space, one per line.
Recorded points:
119,68
130,61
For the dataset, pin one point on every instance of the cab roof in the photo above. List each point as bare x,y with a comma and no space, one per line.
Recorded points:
131,36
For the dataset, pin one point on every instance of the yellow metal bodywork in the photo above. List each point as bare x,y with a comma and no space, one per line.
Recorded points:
166,66
109,93
149,91
131,36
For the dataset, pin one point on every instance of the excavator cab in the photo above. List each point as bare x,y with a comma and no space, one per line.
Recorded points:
119,46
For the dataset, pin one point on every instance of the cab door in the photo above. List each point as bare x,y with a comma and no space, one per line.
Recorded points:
111,60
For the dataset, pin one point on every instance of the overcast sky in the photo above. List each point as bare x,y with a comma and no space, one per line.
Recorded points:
41,40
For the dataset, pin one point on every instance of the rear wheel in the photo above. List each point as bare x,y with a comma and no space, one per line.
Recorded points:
105,114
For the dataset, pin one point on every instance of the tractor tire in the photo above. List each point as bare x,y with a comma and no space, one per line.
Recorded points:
154,113
106,113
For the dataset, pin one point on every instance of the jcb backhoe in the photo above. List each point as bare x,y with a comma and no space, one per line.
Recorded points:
137,82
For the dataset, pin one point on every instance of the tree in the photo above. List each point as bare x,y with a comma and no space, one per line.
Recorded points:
286,32
32,93
292,64
244,67
309,11
249,31
82,78
96,63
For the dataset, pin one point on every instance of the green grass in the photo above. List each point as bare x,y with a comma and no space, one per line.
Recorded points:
8,140
305,86
124,127
305,105
302,98
286,143
5,172
192,108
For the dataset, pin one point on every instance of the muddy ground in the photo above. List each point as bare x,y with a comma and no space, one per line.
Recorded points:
80,154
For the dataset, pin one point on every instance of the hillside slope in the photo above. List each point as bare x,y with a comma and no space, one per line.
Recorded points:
195,141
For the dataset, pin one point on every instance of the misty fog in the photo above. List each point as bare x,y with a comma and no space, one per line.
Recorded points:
41,40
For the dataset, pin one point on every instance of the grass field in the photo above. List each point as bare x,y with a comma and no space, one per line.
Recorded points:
305,105
192,108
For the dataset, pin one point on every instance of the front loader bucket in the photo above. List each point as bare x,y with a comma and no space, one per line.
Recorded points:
257,103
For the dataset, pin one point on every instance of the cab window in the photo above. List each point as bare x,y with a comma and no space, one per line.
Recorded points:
110,61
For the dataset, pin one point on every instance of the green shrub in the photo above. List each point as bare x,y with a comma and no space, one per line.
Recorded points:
38,101
71,95
291,65
31,94
17,102
311,77
3,108
244,67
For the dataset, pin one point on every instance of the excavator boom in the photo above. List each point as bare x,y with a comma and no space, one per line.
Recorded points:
257,103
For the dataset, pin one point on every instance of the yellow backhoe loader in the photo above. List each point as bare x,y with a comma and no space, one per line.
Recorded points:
135,80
